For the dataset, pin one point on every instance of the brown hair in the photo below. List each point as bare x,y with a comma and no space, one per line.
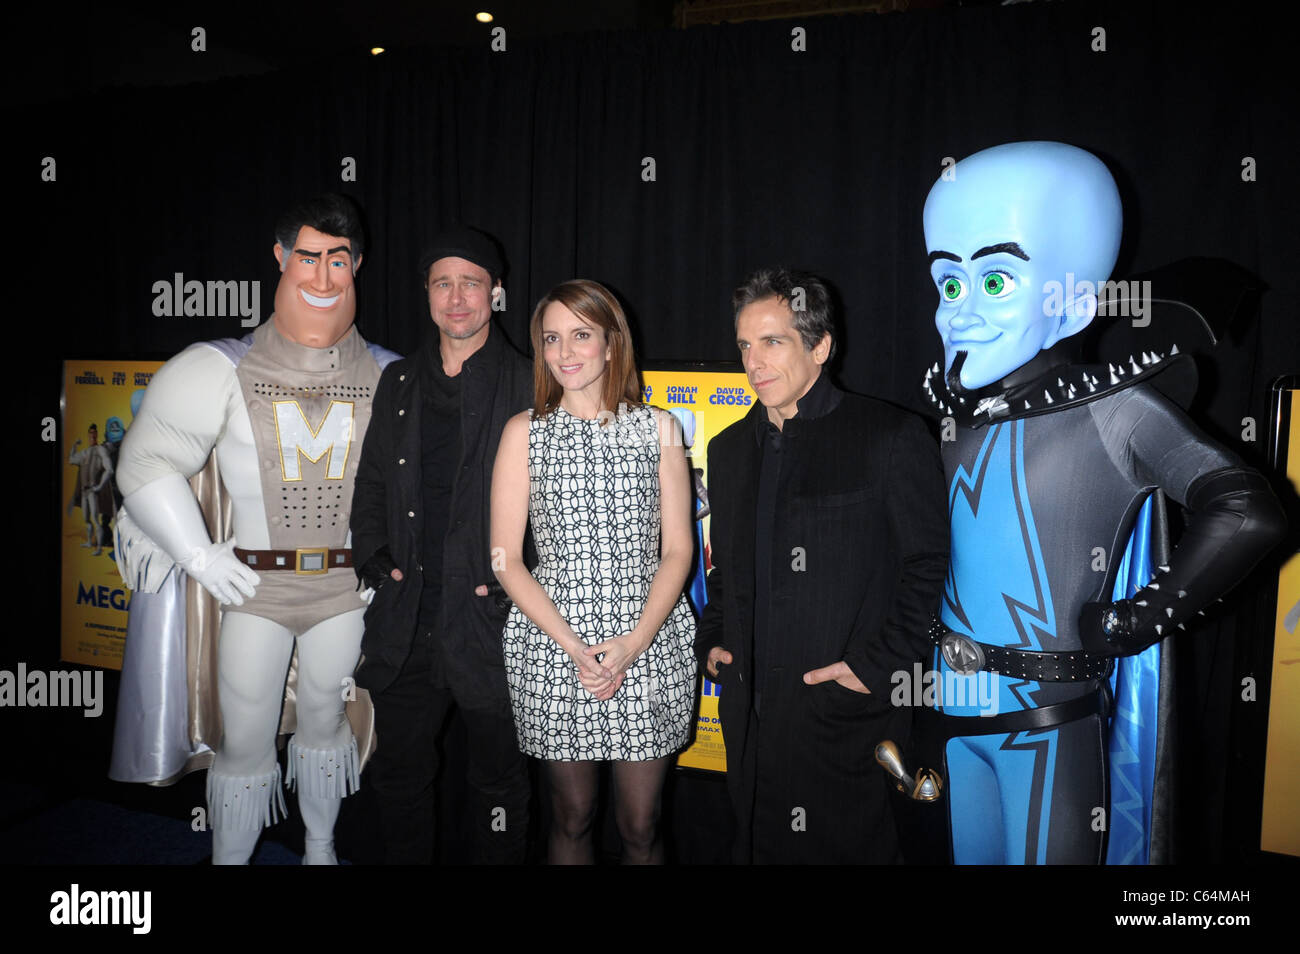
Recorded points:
594,304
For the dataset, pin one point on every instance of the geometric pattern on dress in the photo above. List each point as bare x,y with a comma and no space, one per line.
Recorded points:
593,504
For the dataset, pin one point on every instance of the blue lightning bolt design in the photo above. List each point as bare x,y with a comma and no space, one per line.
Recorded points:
997,590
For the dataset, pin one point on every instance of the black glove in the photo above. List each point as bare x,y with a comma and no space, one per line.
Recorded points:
1112,629
1235,520
375,572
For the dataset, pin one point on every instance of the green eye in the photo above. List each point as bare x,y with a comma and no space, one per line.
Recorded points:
951,289
997,284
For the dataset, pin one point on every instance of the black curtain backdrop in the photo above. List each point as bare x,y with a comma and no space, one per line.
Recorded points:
762,155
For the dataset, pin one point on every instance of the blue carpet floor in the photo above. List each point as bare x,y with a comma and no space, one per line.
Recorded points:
82,831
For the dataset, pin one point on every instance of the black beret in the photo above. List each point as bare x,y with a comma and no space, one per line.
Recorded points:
459,241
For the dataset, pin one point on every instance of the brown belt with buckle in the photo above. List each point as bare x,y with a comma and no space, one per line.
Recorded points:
306,561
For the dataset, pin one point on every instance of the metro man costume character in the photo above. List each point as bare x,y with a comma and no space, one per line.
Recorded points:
114,432
1051,460
94,486
284,410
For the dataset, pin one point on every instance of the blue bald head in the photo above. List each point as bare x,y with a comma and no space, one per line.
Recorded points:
686,418
114,430
1012,230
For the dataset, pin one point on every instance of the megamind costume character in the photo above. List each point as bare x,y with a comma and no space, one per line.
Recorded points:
1052,464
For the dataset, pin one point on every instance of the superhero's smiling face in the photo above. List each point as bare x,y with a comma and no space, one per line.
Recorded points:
1014,227
315,302
988,307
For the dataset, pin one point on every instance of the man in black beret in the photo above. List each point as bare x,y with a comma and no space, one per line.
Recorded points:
420,519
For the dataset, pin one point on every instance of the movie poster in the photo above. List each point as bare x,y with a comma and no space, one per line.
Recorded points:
1280,827
705,402
100,399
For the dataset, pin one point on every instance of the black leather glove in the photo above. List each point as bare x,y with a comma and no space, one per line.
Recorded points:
1235,520
1112,629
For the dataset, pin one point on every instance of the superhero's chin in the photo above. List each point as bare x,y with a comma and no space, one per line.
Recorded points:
954,376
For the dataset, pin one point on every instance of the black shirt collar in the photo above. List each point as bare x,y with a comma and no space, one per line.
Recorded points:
488,354
821,399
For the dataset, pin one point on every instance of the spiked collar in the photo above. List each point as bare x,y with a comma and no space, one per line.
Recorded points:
1065,385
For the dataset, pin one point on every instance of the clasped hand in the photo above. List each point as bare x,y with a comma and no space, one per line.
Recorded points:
602,678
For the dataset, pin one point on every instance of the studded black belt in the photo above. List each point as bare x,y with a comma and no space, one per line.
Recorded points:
965,656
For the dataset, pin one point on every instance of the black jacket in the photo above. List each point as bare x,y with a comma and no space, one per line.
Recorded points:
859,554
387,510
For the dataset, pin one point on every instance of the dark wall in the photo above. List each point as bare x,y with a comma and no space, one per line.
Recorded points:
819,158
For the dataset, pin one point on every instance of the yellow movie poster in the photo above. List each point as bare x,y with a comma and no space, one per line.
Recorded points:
705,402
1280,827
99,402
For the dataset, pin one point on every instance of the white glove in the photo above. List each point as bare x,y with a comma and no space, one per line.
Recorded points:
167,512
221,572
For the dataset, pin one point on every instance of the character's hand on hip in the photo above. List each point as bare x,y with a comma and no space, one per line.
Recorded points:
839,672
717,657
221,573
1114,629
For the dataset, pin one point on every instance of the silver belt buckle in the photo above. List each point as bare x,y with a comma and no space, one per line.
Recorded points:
962,654
310,561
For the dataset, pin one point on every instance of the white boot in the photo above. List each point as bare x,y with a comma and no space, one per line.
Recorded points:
230,846
319,815
239,807
322,778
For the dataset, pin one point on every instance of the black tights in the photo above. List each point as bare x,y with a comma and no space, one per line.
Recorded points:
638,787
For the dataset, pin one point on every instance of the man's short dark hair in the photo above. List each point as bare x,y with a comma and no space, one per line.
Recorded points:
813,320
332,214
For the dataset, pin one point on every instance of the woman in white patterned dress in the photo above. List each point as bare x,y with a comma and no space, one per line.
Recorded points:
598,646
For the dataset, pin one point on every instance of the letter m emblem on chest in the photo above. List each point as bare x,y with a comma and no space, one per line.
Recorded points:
296,438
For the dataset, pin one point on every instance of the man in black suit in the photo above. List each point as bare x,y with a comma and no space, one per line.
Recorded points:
420,535
829,545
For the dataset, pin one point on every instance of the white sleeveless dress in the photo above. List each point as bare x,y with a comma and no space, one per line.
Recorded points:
594,507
